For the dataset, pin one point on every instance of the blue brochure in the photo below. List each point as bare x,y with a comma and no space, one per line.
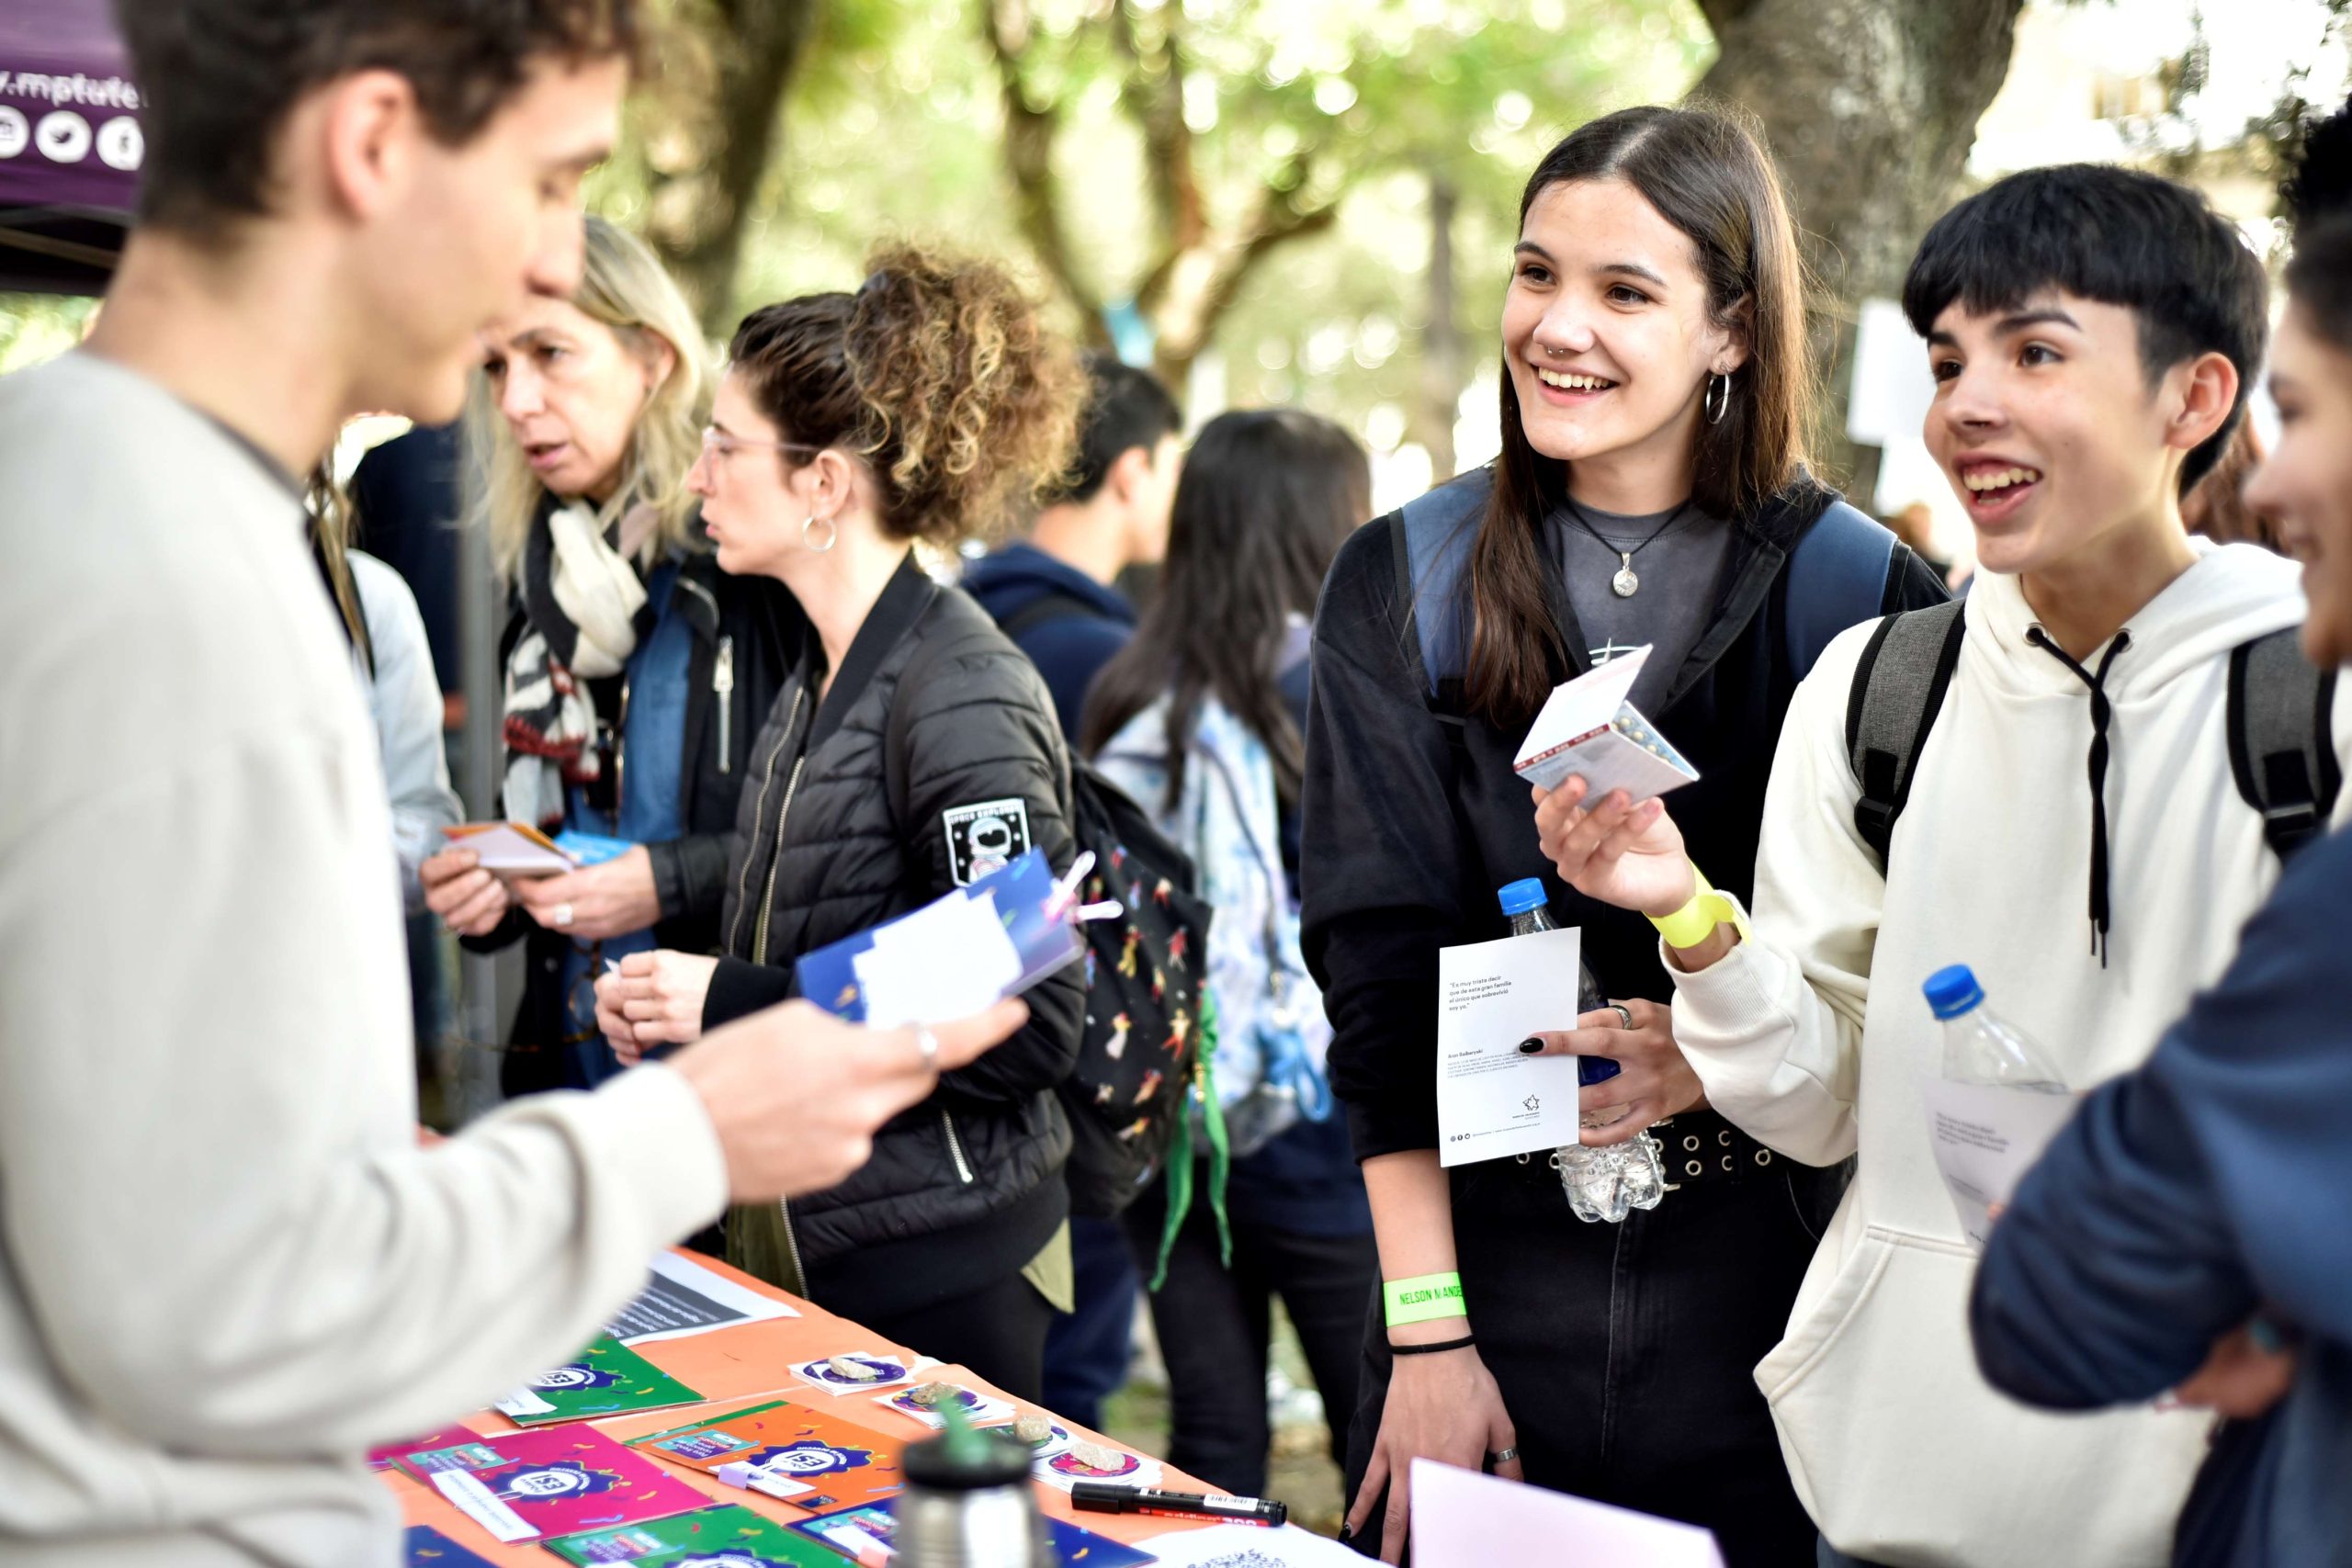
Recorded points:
956,955
428,1548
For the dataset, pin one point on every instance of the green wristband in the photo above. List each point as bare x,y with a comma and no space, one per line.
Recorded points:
1423,1297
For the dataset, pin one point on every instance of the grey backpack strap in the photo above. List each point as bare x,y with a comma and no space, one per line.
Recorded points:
1898,690
1433,535
2282,740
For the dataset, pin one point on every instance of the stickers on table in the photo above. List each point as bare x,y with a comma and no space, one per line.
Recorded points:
857,1371
924,1402
727,1537
558,1481
1095,1461
788,1451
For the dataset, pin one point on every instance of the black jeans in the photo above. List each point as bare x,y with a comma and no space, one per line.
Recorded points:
1214,1324
999,1331
1624,1353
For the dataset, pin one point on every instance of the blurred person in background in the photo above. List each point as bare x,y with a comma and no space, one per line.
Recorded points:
395,666
849,428
1055,594
2218,506
636,671
1201,719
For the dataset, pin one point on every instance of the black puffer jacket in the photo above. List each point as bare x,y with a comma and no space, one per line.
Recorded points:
746,631
822,853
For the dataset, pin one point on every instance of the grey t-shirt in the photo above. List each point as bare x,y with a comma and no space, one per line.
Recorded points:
1680,571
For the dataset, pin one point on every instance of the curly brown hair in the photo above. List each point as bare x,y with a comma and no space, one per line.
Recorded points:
940,372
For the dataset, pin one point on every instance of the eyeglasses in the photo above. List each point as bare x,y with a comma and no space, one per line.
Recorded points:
717,443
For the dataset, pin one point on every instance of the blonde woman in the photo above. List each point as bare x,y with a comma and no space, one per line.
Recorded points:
634,670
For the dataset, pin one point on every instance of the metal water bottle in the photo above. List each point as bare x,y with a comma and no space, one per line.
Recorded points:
968,1502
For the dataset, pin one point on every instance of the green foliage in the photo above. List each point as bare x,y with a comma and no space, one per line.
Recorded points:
896,127
34,327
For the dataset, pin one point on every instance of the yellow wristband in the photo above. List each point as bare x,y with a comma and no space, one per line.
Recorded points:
1696,921
1424,1297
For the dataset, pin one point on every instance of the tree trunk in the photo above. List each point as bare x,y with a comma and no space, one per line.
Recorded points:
1869,107
1443,372
700,212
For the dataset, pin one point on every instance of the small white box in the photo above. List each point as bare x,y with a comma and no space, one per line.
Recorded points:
1589,729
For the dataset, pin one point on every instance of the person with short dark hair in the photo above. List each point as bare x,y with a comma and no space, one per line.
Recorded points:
1056,593
229,1268
2186,1232
2071,828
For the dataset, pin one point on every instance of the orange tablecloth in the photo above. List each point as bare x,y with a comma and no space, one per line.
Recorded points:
729,1365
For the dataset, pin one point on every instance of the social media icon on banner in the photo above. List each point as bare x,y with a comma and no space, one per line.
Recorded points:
121,144
62,136
16,131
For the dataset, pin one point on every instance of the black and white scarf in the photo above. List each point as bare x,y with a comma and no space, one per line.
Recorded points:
584,608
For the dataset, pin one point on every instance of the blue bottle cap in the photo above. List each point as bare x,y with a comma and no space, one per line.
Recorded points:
1953,991
1517,898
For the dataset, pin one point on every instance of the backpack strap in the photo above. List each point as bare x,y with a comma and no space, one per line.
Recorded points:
1052,605
2282,742
1898,690
1844,568
1432,551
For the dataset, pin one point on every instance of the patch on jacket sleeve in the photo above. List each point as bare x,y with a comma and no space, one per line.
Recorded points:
984,836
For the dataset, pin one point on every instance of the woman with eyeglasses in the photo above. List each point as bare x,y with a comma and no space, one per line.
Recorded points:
635,670
912,750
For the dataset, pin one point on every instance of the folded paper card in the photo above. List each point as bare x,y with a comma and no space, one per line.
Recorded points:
954,956
788,1451
606,1379
517,849
558,1481
1587,729
727,1537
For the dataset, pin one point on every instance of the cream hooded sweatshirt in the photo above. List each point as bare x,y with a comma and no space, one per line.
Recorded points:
1813,1037
226,1269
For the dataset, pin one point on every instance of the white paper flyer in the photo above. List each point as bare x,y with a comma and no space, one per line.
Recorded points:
1492,1102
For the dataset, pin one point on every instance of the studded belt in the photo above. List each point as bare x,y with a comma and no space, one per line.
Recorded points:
1700,1146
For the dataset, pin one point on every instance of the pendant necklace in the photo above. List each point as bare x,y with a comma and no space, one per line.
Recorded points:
1627,581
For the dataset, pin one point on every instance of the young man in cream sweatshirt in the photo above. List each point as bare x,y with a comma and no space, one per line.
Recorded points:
227,1269
2073,833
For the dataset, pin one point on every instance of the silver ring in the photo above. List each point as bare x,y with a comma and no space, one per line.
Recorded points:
928,1043
1503,1456
1623,1012
562,914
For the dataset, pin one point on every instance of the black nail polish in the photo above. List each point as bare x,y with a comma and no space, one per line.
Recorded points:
1530,1047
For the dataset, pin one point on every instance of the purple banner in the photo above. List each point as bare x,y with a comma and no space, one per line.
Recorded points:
69,110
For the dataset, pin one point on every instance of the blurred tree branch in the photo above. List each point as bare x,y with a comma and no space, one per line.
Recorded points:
724,68
1197,266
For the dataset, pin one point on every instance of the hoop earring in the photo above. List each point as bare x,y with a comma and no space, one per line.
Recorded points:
1717,401
832,534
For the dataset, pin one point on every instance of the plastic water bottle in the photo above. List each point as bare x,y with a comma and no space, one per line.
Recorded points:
1979,1045
1602,1184
1999,1101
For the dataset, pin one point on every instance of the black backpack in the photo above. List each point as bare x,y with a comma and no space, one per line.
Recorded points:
1143,1045
2279,717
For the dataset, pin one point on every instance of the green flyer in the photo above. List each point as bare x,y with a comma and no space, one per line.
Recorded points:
606,1379
730,1535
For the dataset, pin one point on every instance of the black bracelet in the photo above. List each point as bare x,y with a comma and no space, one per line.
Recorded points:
1461,1344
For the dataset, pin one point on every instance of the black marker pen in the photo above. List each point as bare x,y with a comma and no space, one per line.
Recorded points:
1109,1497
